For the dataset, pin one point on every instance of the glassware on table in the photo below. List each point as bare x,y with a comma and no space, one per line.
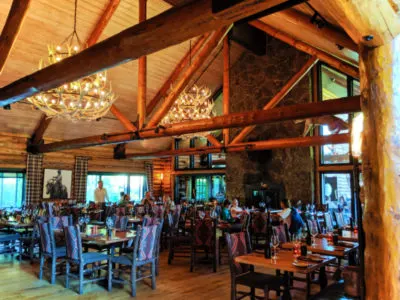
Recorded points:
296,239
314,233
275,244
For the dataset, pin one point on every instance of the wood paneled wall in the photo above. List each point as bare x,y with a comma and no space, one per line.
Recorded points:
162,184
13,156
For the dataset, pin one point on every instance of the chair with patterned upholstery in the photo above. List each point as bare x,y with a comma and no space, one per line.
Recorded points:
339,220
328,221
49,250
139,210
258,228
75,256
244,275
282,232
313,224
148,221
120,211
204,240
121,222
58,223
158,211
144,254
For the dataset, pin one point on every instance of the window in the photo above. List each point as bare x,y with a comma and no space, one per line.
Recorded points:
218,187
12,189
133,185
202,188
336,191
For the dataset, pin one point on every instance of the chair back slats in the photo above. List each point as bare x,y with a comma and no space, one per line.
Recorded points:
73,242
237,245
147,242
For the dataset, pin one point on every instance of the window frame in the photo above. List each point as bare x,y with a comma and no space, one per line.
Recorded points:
23,192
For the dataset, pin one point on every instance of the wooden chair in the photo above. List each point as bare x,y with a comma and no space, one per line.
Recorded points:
121,222
328,221
282,232
144,253
258,228
204,240
49,250
31,243
60,222
339,220
75,256
120,211
244,275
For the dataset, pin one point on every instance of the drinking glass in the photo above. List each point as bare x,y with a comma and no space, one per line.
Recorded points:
314,233
275,244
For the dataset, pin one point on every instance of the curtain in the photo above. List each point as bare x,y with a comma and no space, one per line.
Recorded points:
80,178
34,179
149,174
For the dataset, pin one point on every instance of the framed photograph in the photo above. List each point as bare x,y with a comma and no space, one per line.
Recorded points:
57,184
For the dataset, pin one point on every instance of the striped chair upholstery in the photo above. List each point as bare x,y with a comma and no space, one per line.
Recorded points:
121,222
60,222
238,246
328,221
204,233
312,224
45,241
148,221
147,243
72,241
120,211
259,223
281,233
339,219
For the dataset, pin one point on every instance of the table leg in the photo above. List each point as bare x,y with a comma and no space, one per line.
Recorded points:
286,291
323,281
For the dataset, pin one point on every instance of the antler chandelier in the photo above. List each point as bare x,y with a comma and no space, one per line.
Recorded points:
192,104
88,98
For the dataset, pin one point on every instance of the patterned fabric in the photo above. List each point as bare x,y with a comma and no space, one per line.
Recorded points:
120,211
121,222
72,242
139,210
148,221
34,178
312,224
280,232
149,173
59,222
158,211
147,242
259,223
204,233
45,240
328,221
80,176
238,247
339,219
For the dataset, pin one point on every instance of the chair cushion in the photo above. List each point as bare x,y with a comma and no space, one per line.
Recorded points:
259,280
122,259
91,257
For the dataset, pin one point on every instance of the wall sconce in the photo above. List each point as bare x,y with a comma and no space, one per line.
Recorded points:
357,128
162,176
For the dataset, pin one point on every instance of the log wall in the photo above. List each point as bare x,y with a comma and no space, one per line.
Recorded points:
164,185
13,156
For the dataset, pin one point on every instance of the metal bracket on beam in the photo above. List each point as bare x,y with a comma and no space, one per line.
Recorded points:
120,151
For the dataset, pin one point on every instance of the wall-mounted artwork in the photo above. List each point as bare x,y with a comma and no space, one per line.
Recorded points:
57,184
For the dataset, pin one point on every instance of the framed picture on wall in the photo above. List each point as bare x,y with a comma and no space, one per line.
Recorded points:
57,184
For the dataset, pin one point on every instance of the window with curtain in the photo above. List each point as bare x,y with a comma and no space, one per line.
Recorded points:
12,189
115,184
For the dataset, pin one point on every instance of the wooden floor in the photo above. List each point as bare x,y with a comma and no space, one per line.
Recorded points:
20,281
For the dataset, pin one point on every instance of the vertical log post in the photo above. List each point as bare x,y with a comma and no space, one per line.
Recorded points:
380,77
142,66
226,86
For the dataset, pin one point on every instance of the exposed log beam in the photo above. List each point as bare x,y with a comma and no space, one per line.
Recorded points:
330,33
285,113
142,73
251,146
204,53
378,19
121,117
92,39
213,140
162,92
279,96
37,136
299,45
226,86
166,29
11,29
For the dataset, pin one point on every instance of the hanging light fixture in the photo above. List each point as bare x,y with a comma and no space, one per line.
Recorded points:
194,103
89,98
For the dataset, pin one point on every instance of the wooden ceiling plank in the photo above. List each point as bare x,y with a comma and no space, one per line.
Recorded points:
307,141
162,92
11,29
92,39
142,73
187,76
280,114
166,29
279,96
299,45
327,32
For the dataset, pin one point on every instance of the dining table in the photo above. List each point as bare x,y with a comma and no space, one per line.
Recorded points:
16,226
288,263
347,236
